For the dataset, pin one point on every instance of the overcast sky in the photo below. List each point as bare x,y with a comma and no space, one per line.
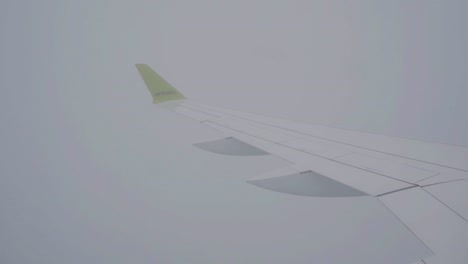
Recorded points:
92,172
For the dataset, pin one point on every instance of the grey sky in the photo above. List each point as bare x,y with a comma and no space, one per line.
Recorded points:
92,172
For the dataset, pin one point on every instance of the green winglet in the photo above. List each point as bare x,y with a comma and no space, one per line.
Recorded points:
161,90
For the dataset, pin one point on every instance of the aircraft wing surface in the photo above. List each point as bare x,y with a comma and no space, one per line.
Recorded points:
422,185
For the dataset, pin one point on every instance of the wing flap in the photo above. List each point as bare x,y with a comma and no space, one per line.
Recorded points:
452,194
429,219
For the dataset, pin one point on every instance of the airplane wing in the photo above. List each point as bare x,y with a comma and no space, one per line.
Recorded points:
423,185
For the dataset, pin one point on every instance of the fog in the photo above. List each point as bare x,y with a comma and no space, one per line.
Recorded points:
92,172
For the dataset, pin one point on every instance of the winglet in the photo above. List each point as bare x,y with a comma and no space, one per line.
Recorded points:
159,88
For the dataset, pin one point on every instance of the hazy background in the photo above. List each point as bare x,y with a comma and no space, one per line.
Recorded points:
92,172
